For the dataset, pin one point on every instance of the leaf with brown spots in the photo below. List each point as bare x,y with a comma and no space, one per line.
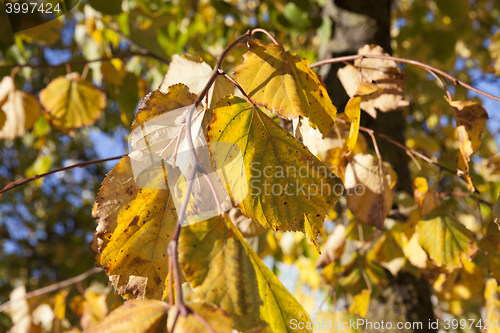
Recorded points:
283,83
134,223
225,271
289,189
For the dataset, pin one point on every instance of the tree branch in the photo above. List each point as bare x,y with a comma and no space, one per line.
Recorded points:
51,288
84,62
406,61
20,182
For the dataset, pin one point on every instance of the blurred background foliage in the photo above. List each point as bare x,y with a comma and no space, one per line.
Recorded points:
46,225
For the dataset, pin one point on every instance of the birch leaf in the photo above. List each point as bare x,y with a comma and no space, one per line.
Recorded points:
445,239
224,271
283,83
71,102
18,110
273,159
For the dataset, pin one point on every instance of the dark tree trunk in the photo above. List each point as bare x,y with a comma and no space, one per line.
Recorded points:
356,23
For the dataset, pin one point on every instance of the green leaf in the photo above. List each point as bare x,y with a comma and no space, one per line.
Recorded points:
445,239
72,103
224,270
289,188
283,83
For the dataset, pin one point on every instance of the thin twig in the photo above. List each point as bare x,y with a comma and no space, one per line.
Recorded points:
83,62
365,277
465,195
20,182
406,61
172,246
237,85
267,33
51,288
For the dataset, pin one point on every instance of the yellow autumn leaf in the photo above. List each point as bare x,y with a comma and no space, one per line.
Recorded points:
60,304
388,251
471,118
135,316
217,318
92,306
360,303
224,270
490,244
19,110
424,197
334,246
353,110
289,189
462,283
492,297
283,83
195,73
494,50
133,232
445,239
368,189
135,222
113,71
71,102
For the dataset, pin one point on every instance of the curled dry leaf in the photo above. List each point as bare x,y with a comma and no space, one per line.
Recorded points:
71,102
134,223
283,83
18,110
385,73
368,189
334,246
195,73
471,118
353,110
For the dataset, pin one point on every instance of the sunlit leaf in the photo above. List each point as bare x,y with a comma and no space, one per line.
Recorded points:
280,196
445,239
353,110
495,51
360,303
492,297
283,83
91,306
18,109
71,102
135,316
461,284
195,73
426,199
60,304
19,311
368,189
225,271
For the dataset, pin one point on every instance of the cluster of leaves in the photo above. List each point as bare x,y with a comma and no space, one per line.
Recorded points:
377,233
